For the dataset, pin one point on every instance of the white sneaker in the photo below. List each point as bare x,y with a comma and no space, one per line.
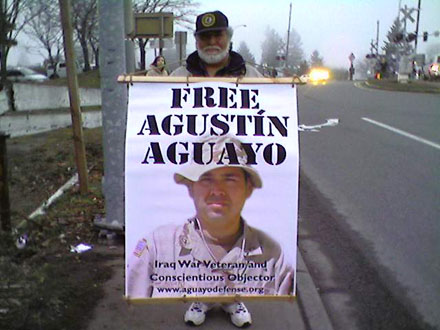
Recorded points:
240,316
196,313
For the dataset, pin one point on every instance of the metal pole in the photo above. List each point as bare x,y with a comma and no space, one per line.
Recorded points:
417,27
404,20
5,210
180,48
377,39
75,110
114,110
288,36
162,28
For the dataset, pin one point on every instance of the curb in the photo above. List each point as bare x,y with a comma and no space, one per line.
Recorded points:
310,303
368,85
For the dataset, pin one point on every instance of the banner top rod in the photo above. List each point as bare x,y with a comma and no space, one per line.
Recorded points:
295,80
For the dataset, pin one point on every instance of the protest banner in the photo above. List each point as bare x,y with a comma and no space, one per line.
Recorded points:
189,141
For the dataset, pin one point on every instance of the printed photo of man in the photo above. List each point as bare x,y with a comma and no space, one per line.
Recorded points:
216,252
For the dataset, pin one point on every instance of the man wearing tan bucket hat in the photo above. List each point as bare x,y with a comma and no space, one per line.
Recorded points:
216,252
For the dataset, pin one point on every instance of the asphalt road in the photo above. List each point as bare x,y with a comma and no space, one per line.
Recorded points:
374,179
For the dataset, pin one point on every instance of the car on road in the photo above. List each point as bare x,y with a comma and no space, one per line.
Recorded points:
59,70
432,71
319,75
18,74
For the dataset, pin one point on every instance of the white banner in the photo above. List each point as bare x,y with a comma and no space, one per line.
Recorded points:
211,190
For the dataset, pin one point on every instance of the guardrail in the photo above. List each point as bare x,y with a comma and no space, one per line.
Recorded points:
34,96
35,108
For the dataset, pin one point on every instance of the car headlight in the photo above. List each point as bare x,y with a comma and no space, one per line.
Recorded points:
319,74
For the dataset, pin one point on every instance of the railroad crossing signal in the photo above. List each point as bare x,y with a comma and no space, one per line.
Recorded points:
411,37
373,46
407,13
398,37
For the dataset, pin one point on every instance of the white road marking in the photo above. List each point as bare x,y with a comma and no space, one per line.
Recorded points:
398,131
315,128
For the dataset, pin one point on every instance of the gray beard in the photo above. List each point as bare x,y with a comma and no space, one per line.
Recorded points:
213,59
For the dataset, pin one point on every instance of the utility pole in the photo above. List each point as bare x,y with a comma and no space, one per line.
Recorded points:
75,109
377,39
288,36
417,27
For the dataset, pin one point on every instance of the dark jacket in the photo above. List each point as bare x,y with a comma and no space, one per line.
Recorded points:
236,67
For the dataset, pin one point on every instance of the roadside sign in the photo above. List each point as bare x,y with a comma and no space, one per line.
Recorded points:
155,25
407,13
351,57
180,37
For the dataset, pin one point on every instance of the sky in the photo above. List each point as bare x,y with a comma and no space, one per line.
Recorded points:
335,28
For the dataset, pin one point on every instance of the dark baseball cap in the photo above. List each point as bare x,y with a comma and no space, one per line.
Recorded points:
211,21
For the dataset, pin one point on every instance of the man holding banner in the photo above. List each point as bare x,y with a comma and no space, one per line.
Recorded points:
214,58
216,254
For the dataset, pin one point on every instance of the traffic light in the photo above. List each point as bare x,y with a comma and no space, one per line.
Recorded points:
425,36
411,37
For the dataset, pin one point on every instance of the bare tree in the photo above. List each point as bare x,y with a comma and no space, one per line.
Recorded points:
10,26
94,45
85,24
184,12
43,25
